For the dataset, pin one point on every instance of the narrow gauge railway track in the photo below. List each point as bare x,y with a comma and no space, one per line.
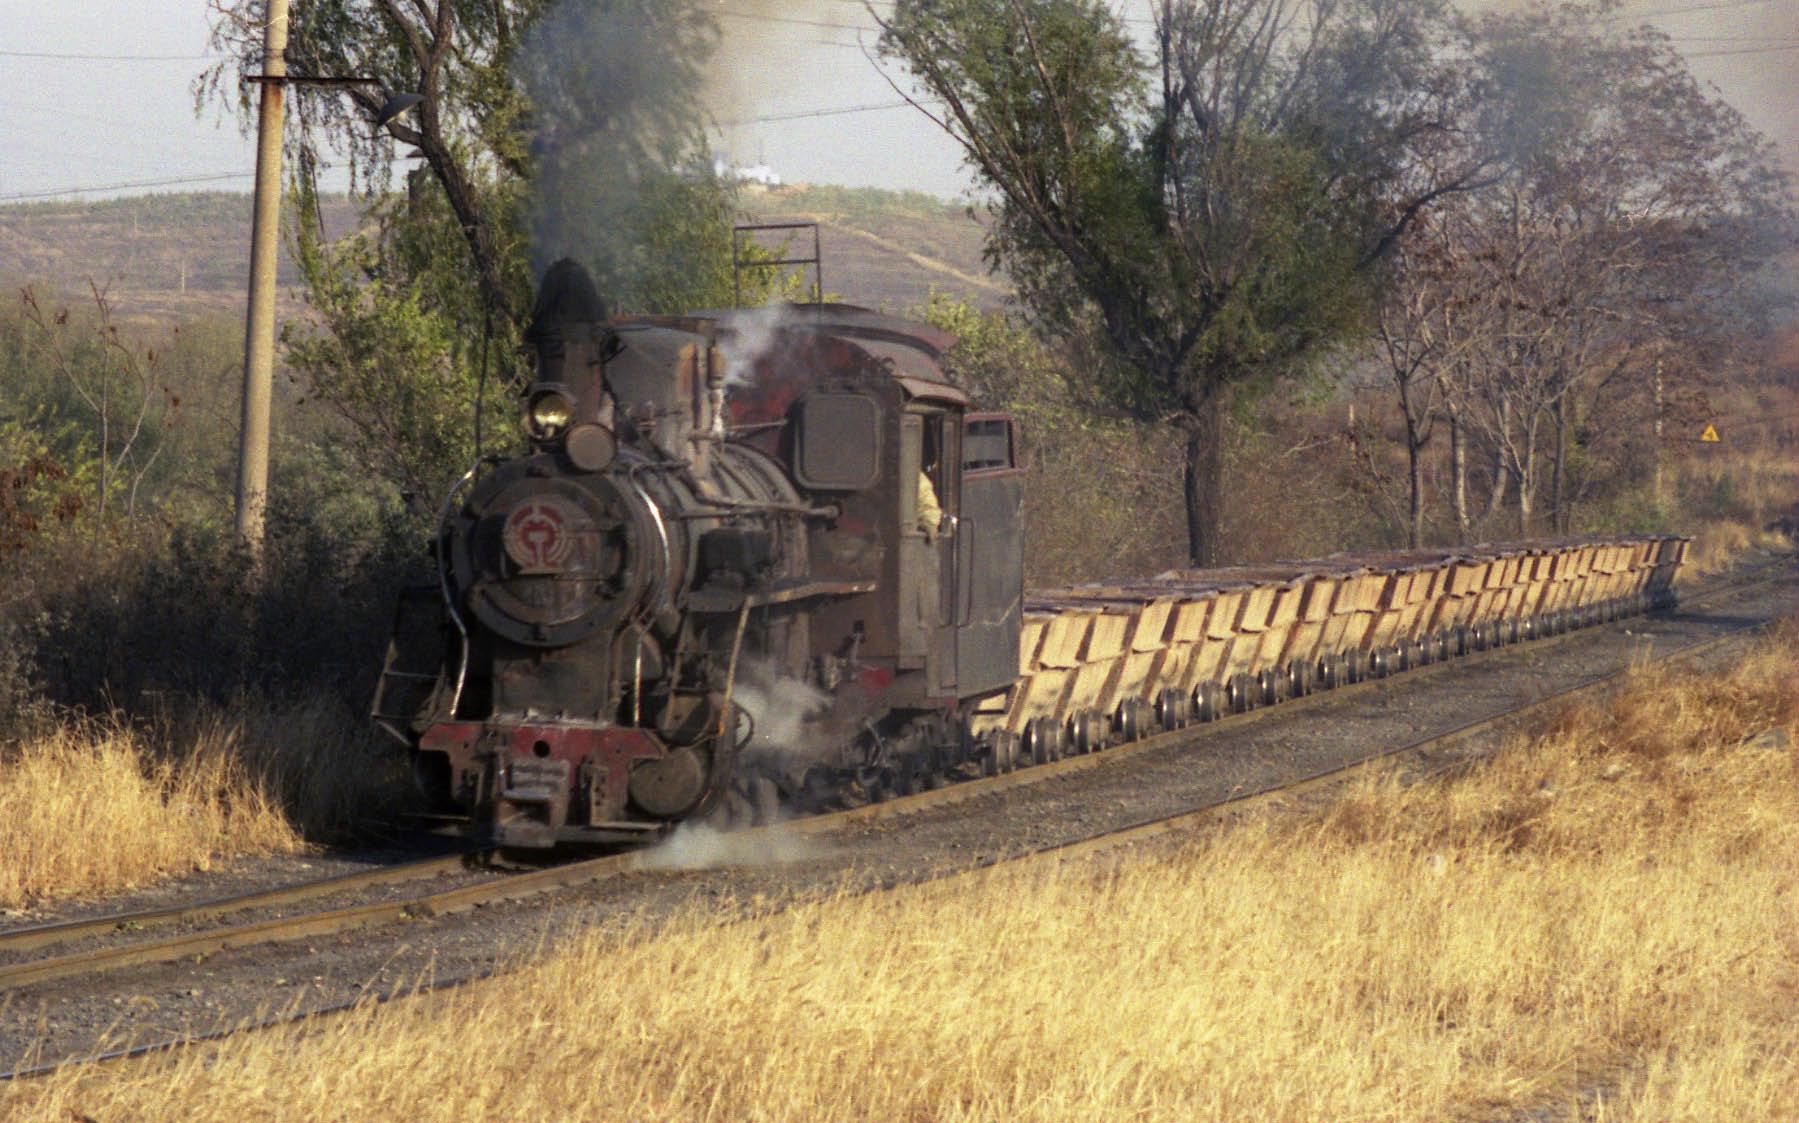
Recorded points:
513,886
500,887
1760,578
539,882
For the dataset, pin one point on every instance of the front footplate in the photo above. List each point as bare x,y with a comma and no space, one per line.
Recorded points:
534,784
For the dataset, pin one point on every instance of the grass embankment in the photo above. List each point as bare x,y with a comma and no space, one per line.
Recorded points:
1721,544
1734,503
90,807
1615,904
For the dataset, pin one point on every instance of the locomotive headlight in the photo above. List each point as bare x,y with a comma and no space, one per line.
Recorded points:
549,414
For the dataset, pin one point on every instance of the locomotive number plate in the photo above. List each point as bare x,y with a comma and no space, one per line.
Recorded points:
530,774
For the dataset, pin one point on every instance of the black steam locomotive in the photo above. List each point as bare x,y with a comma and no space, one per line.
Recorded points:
748,555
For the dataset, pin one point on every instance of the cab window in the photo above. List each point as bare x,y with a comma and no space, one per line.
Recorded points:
988,444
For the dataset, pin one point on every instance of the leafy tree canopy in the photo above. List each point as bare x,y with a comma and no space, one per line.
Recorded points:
1214,201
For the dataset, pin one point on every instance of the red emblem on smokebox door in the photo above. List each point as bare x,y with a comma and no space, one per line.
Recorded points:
537,536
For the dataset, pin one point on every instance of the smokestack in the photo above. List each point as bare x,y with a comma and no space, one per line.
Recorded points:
569,401
567,323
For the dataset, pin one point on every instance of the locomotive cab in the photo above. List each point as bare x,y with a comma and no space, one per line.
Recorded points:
961,565
871,420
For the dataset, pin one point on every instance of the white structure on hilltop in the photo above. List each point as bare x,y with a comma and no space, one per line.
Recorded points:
761,175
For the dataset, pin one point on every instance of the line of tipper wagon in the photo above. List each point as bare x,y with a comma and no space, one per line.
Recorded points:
1110,662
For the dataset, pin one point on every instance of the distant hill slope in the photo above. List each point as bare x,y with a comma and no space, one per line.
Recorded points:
175,256
161,257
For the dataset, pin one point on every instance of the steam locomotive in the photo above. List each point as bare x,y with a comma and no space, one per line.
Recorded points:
747,556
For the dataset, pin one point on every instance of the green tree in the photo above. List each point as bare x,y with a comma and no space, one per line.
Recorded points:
97,399
403,355
1216,206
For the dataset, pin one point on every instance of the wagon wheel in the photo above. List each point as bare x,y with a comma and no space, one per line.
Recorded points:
1271,686
1013,747
1241,693
1206,701
1081,729
1299,678
1172,708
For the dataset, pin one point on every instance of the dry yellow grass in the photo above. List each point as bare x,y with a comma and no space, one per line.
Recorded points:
1718,545
90,807
1756,481
95,806
1730,499
1614,905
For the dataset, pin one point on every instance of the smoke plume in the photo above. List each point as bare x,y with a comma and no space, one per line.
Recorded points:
753,335
697,846
617,117
780,707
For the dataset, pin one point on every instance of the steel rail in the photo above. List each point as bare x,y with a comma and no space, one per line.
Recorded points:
68,931
311,925
1117,838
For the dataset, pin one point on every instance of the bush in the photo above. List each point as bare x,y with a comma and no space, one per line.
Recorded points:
120,616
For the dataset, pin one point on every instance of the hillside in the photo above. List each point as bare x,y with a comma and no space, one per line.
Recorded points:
883,248
172,257
161,258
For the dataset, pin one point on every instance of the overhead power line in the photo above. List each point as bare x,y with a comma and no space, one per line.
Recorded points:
836,111
805,114
1763,50
797,115
796,22
84,57
827,25
22,196
1689,9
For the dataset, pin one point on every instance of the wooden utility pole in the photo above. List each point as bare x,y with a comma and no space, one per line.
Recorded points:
259,323
1661,492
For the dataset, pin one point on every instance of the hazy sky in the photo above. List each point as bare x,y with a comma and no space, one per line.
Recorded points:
95,122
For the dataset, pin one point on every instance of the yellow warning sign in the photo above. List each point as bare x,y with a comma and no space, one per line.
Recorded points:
1710,436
